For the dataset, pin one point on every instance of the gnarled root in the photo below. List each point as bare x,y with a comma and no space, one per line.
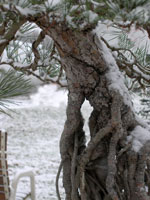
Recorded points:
118,174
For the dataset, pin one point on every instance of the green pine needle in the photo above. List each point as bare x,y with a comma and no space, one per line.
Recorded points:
12,84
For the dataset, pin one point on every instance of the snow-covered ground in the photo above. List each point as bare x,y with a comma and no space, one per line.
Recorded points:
33,138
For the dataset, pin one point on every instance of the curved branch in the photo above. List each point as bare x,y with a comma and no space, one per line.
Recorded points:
10,34
35,51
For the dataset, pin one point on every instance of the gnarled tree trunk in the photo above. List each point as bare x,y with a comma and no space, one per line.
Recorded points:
109,166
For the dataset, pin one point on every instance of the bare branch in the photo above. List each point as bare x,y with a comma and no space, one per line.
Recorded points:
35,51
10,34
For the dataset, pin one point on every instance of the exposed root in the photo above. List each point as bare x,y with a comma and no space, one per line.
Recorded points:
57,180
96,183
112,157
110,181
147,175
88,152
69,146
74,194
140,173
125,149
132,160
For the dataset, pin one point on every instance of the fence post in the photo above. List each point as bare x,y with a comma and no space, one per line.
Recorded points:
4,179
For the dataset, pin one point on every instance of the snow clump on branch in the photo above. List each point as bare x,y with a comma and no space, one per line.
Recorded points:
114,76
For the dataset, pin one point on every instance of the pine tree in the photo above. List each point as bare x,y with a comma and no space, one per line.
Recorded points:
115,163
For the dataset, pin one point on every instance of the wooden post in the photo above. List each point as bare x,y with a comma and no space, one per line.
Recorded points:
4,179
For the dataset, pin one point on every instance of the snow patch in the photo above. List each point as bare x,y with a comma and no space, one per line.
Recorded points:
54,2
70,21
3,130
114,76
91,15
49,95
140,136
110,33
107,31
29,36
25,11
33,139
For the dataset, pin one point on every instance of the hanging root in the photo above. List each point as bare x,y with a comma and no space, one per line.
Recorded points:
87,154
74,194
119,174
147,175
57,180
113,124
140,172
110,181
112,157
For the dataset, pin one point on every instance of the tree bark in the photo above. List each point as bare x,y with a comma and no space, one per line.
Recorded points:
107,167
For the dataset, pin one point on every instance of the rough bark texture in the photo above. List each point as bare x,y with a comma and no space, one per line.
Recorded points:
107,167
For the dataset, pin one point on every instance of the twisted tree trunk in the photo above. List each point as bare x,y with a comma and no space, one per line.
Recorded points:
109,166
115,164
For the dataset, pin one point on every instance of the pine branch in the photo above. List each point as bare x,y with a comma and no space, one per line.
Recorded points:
133,69
12,84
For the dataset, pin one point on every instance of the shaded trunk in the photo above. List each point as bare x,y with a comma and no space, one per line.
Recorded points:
107,167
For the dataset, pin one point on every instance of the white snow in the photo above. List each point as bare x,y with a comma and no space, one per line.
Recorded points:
140,136
18,64
111,33
114,76
70,21
139,37
106,30
30,35
33,138
49,95
25,11
54,2
91,15
141,11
